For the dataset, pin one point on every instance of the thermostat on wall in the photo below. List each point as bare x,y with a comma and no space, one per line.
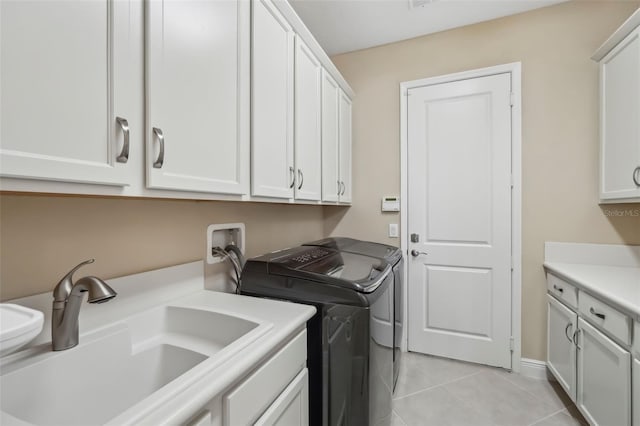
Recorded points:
390,204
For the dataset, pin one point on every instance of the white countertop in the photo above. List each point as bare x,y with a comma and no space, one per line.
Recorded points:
617,285
610,272
287,319
176,286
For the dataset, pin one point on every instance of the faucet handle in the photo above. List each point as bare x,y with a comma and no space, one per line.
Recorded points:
63,289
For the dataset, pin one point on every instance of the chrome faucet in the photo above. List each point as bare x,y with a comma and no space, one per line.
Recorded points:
67,298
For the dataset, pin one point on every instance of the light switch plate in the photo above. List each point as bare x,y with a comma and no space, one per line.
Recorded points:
393,230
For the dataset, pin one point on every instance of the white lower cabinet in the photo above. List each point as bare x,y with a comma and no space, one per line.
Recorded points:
292,406
589,351
604,378
561,351
635,405
275,393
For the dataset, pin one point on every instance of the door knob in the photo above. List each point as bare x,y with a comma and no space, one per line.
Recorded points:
416,253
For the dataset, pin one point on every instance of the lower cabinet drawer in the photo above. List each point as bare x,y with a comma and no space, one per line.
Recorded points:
292,406
562,290
607,318
246,402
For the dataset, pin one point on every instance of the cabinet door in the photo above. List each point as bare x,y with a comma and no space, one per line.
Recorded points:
635,405
198,95
59,93
561,351
604,378
331,187
620,120
308,147
272,162
345,147
291,408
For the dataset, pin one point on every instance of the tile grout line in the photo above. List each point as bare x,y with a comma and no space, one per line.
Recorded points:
399,416
528,392
438,385
547,417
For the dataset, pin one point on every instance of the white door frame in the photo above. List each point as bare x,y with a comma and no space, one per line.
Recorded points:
514,69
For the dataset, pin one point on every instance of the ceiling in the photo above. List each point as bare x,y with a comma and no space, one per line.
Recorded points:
346,25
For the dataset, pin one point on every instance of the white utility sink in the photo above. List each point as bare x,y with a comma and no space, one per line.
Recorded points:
146,357
18,326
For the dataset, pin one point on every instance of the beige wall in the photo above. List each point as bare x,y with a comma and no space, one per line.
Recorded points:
42,237
560,130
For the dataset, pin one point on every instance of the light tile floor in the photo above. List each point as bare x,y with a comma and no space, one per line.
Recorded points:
442,392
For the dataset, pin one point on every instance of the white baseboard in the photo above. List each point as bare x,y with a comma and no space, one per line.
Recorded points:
534,368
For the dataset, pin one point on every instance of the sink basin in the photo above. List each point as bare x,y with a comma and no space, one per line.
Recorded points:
18,326
116,367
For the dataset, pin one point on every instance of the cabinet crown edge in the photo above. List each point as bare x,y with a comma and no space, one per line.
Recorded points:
618,35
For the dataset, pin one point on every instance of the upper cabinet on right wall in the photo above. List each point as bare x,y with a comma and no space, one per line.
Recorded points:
619,59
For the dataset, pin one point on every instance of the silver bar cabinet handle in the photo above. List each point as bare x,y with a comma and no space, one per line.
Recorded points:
344,188
576,336
301,177
566,331
292,173
123,157
594,312
560,289
339,187
160,160
636,176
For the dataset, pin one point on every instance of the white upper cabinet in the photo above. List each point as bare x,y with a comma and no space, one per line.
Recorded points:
620,115
197,95
272,155
331,187
215,99
344,124
336,142
64,112
308,146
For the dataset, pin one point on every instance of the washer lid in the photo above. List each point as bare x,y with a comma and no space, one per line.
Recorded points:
350,270
367,248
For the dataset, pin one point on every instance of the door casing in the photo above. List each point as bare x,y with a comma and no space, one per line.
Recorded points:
514,69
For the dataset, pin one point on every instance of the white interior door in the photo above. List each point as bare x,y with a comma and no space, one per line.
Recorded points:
459,206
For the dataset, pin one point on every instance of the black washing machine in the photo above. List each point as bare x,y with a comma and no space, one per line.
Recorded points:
393,256
350,339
